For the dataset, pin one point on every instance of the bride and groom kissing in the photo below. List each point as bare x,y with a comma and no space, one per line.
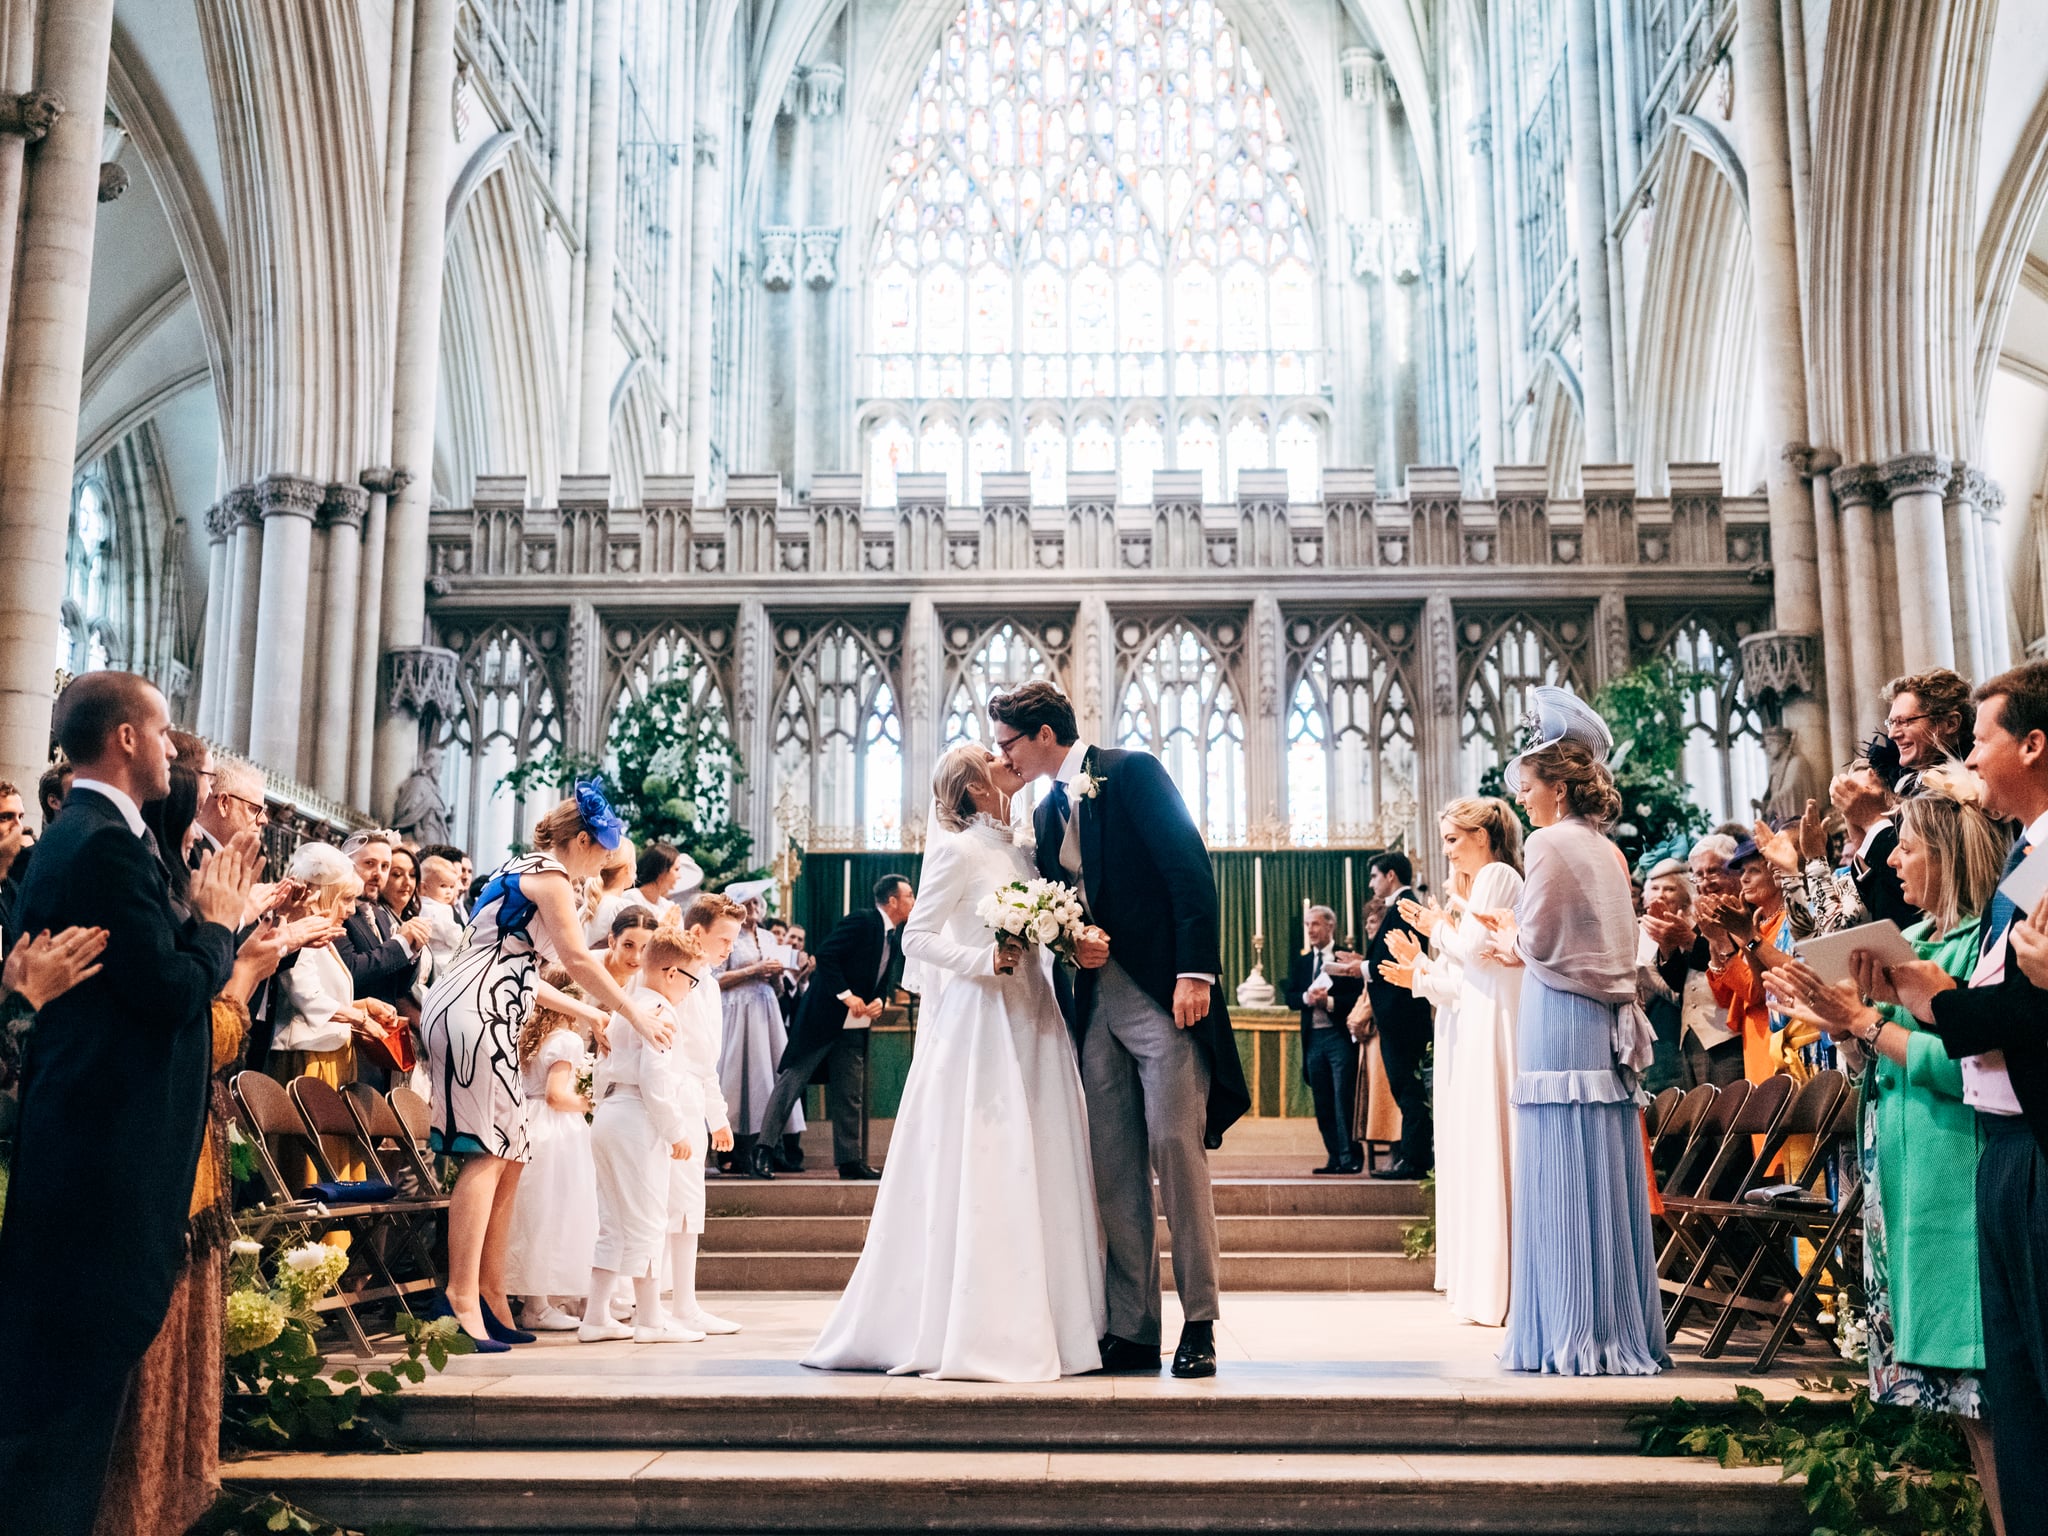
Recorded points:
1015,1236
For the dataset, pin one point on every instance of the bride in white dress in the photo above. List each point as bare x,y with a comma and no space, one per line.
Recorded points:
983,1261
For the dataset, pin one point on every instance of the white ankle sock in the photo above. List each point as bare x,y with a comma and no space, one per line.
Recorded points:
647,1303
602,1284
682,1247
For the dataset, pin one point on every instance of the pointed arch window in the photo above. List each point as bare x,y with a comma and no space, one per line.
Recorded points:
1007,657
1724,744
509,717
839,736
1350,740
1180,706
87,636
1093,200
1500,693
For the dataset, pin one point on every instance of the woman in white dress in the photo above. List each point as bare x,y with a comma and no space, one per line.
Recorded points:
1477,995
983,1261
754,1035
554,1212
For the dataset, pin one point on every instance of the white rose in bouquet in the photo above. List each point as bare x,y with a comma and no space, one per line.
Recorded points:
1045,928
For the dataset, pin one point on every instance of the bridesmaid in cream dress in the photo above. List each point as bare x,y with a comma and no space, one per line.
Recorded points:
1477,996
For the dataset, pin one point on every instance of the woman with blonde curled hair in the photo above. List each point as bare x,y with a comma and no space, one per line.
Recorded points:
982,1262
1477,996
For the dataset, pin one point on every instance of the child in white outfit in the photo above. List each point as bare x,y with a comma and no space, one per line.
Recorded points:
708,930
554,1214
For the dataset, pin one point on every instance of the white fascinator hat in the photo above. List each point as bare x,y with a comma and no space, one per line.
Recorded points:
1559,715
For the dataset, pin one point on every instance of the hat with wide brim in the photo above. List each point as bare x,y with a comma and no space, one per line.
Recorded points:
1560,715
749,890
688,875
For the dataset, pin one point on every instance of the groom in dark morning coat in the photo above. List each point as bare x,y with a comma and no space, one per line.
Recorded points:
1159,1064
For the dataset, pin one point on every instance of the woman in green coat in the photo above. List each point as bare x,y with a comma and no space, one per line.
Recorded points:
1919,1140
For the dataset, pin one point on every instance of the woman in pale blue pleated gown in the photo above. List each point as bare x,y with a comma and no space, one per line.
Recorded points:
1584,1298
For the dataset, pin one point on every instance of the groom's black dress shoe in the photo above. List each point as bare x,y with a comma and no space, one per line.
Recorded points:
1197,1353
1331,1168
760,1163
1121,1356
858,1170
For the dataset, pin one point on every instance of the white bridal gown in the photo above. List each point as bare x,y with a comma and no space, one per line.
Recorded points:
1476,1000
983,1261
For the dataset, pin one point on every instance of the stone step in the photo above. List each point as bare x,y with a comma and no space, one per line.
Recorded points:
1236,1234
1285,1271
807,1195
571,1492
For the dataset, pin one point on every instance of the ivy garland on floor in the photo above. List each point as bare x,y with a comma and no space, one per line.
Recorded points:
1870,1470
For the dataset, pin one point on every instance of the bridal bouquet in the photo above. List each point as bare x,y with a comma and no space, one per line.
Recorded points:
586,1085
1027,912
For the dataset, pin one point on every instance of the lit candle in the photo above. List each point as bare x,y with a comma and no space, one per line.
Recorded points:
846,888
1304,924
1350,926
1258,897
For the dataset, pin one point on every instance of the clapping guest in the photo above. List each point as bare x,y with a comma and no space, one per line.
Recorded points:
1747,937
230,802
14,840
381,953
1584,1298
322,1009
1478,997
1868,810
400,892
754,1042
1324,984
1927,722
1401,1019
113,1108
1918,1137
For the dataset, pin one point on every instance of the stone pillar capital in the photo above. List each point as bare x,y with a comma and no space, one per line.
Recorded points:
383,480
1777,665
1363,71
243,511
704,149
220,522
823,85
778,258
1916,474
821,257
1479,133
419,678
287,496
343,506
31,115
1857,485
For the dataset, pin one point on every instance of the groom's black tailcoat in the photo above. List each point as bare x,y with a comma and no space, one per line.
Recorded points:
1150,887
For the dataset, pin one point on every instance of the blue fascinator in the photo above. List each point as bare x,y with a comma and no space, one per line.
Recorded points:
599,819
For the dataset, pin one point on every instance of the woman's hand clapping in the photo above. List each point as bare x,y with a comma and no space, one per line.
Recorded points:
41,968
1423,919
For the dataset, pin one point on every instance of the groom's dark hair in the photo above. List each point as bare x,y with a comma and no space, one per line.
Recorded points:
1037,704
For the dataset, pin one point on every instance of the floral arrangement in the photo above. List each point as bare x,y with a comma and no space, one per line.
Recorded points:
1027,912
586,1085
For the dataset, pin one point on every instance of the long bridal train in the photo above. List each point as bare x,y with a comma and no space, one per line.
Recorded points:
983,1261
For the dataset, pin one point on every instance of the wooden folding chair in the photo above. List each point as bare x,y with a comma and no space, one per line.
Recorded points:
1676,1127
417,1116
269,1117
392,1141
1660,1108
333,1123
1773,1285
1732,1168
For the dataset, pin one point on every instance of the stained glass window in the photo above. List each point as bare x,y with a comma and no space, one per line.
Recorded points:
86,641
1350,740
1724,744
1500,695
508,717
1006,658
838,735
1076,187
1179,705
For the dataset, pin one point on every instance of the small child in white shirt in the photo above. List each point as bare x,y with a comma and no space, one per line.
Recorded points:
707,932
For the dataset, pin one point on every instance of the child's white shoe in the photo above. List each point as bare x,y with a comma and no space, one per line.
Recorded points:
597,1333
670,1332
550,1319
622,1308
704,1322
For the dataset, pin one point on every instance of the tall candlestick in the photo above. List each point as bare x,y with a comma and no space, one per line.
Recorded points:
1350,924
1305,904
1258,897
846,888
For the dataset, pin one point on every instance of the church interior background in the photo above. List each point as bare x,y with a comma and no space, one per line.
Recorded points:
1297,382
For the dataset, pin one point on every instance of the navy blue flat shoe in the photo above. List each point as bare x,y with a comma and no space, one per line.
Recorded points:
503,1333
492,1346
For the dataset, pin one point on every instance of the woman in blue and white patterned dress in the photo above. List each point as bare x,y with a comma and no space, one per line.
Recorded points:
525,917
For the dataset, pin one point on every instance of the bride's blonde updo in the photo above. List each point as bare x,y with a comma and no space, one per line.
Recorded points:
959,771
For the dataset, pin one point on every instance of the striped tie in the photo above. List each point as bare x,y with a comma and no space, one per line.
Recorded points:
1999,915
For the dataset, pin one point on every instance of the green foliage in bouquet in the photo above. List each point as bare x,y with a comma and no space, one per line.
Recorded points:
670,771
279,1393
1870,1470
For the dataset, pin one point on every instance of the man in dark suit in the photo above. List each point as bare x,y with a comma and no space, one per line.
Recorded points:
381,953
1866,807
1996,1026
1159,1063
1403,1021
859,967
113,1108
1324,984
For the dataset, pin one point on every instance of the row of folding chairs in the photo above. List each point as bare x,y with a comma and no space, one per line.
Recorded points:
385,1136
1737,1209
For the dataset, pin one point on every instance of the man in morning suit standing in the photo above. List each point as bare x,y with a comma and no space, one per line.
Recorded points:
1159,1063
859,967
113,1108
1324,984
1403,1020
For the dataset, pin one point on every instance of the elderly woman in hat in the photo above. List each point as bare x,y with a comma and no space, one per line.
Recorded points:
754,1032
1584,1289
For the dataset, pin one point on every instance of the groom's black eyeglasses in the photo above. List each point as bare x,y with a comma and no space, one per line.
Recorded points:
1002,743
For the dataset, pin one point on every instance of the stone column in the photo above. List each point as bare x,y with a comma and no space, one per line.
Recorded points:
1964,543
703,235
584,723
286,504
383,484
1610,637
1917,482
213,646
245,575
1991,588
754,715
924,661
1835,610
1485,280
1265,743
1589,229
600,244
415,378
1856,488
1437,765
341,524
40,386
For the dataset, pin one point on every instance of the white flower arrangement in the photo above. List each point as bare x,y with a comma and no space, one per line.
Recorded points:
586,1085
1087,786
1028,912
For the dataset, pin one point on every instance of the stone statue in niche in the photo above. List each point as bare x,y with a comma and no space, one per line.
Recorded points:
420,811
1789,781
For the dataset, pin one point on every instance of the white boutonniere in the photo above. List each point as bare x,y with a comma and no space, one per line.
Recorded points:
1086,786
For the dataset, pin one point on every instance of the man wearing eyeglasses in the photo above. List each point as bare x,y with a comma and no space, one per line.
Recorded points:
230,802
1927,717
14,839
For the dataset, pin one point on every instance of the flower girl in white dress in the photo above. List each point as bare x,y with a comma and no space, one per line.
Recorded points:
982,1262
554,1213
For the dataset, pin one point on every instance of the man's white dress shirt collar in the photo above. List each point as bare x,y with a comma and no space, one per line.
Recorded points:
1076,755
